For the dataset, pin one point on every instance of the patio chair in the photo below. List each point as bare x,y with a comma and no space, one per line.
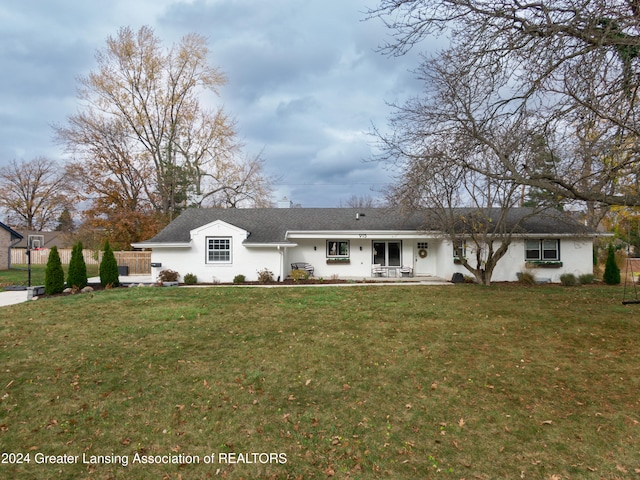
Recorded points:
406,271
377,270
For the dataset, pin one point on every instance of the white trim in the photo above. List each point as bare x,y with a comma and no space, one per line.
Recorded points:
269,245
210,248
202,228
161,245
360,234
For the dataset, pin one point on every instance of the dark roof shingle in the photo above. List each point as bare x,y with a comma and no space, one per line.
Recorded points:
269,225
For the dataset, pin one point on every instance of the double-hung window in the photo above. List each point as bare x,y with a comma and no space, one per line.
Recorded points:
459,249
543,250
337,248
218,250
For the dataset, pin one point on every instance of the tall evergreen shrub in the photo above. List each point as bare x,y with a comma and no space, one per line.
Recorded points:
611,270
77,275
53,275
108,267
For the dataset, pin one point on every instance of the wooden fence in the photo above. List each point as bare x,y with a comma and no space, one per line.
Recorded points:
139,263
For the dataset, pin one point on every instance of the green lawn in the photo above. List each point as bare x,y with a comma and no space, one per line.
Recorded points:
364,382
18,274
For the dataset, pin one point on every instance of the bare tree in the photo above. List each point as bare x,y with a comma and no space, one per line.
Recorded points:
34,193
567,71
452,158
358,201
143,136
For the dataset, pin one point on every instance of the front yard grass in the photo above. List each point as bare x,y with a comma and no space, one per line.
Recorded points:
18,274
362,382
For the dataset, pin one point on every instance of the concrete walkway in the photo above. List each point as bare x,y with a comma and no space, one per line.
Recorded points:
12,297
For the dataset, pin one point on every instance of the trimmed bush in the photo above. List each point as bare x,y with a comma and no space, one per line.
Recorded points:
190,279
108,267
265,276
77,274
168,276
586,279
526,278
568,280
611,270
297,275
53,275
239,278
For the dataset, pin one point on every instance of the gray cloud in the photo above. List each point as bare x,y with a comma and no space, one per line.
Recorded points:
305,83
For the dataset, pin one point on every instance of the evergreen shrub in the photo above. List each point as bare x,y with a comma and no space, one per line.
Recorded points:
108,267
611,270
190,279
53,275
77,274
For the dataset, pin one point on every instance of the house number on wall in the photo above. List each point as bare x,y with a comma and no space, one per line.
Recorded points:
363,235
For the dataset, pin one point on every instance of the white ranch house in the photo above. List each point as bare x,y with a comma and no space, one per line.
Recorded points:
218,244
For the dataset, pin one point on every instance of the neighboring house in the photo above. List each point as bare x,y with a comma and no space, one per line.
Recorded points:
218,244
36,239
8,240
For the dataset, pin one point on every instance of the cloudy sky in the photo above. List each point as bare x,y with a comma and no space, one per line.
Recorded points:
305,83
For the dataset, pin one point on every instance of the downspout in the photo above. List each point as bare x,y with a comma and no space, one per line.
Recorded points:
281,252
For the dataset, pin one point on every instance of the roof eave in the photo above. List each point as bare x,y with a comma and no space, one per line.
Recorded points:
161,245
269,244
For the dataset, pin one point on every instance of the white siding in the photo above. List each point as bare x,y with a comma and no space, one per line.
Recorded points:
575,254
244,260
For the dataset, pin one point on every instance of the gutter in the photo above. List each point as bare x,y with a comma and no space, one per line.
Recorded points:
161,245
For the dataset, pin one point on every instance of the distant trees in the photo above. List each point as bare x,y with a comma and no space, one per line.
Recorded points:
358,201
565,73
34,193
145,147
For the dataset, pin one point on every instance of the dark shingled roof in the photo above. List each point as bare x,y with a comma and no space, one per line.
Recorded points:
12,232
269,225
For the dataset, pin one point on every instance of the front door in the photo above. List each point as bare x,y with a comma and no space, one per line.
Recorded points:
424,261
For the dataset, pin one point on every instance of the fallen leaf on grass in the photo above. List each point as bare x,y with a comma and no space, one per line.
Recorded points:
547,422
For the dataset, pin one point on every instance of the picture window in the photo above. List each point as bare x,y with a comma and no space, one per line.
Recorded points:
337,248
